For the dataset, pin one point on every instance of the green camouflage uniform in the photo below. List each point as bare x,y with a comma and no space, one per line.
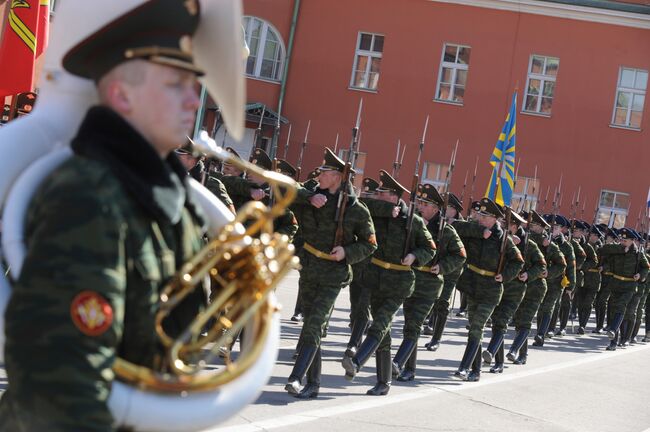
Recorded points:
591,283
555,288
442,304
389,288
602,297
113,222
563,305
623,287
217,187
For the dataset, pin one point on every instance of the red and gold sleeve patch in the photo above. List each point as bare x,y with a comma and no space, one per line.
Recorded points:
91,313
372,239
463,252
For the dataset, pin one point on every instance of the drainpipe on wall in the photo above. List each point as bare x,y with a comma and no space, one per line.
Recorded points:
285,73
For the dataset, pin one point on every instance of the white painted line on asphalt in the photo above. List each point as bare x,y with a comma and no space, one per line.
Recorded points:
376,402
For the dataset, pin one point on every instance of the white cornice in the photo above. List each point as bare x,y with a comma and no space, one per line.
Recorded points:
559,10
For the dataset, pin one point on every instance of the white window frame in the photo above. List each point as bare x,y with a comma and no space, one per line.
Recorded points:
533,200
612,212
543,78
455,67
632,91
366,53
439,181
259,55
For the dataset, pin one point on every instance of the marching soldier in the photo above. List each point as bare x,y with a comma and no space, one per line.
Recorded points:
535,287
629,321
563,307
602,298
442,305
359,292
591,282
628,268
389,276
513,291
325,269
428,280
492,259
556,285
643,290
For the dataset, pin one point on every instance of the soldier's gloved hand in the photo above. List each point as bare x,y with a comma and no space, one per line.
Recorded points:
338,253
523,277
637,277
396,211
516,240
435,269
498,278
257,194
487,233
408,259
318,200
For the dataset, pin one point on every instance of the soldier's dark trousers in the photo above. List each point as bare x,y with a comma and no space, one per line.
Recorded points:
565,308
585,304
602,298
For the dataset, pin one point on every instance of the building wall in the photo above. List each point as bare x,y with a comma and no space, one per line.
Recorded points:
576,141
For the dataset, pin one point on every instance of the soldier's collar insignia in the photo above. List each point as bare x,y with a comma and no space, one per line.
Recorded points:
91,313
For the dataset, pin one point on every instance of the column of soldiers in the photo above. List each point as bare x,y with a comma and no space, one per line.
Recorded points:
510,267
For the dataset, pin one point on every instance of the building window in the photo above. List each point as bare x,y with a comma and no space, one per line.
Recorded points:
540,86
630,96
266,59
526,194
435,174
359,166
613,208
452,77
367,59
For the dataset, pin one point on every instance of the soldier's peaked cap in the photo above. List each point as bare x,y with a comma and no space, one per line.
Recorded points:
455,202
516,218
388,184
331,162
370,185
594,230
427,192
626,233
489,208
261,159
158,31
611,232
286,168
539,220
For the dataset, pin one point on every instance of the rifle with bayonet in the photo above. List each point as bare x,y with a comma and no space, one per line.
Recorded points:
414,193
302,152
286,147
504,241
258,132
642,243
346,184
471,193
442,213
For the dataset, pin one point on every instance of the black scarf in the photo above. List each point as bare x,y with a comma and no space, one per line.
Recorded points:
158,185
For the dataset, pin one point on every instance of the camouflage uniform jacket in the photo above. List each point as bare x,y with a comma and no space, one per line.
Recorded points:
319,229
626,264
590,266
391,234
104,233
451,253
217,187
555,261
484,253
567,250
580,255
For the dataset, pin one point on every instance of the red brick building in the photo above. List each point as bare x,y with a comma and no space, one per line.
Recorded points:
581,67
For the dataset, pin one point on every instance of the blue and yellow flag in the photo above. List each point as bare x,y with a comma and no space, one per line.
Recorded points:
503,160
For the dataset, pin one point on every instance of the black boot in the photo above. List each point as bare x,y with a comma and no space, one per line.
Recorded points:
495,342
468,357
408,373
358,328
475,373
297,351
313,378
352,365
520,337
384,366
613,342
624,331
564,320
635,331
430,325
440,321
542,329
498,360
304,360
403,353
615,324
523,354
600,319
